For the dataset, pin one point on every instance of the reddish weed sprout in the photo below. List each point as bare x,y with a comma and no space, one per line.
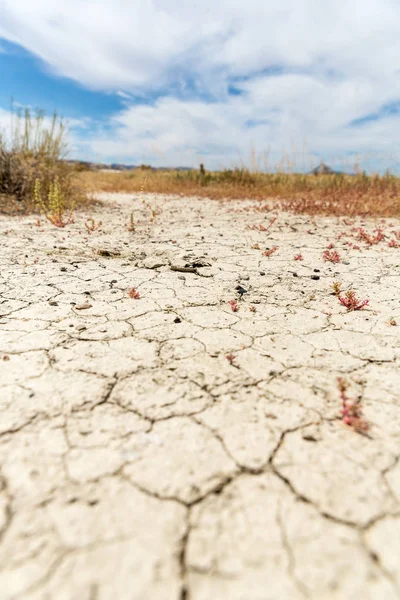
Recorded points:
351,302
230,358
371,240
261,227
234,305
351,412
298,257
269,252
331,255
134,294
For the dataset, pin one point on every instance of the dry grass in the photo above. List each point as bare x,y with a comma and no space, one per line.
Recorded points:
32,154
323,194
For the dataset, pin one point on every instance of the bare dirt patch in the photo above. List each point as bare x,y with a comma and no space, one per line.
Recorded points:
201,436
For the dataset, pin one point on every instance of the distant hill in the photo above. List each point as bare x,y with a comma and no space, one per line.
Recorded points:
323,169
84,165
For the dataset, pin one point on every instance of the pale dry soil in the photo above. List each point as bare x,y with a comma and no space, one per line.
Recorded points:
138,463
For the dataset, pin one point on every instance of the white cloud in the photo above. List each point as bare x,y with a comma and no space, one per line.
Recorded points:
339,63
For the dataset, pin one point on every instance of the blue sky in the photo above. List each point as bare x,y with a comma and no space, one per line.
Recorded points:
177,82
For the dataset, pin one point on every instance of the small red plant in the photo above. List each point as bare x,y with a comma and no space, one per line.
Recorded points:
351,412
351,302
269,252
133,293
230,358
234,305
331,245
331,255
393,244
261,227
298,257
371,240
252,308
257,227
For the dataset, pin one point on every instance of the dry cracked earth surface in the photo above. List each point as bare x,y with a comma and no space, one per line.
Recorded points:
169,447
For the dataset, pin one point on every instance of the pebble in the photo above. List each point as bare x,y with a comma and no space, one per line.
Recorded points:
315,277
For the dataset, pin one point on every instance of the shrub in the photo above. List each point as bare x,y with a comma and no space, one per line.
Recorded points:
34,151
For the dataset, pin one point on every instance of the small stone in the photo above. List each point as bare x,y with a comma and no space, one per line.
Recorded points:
262,273
311,433
63,269
177,320
83,306
53,303
295,275
315,277
316,270
240,290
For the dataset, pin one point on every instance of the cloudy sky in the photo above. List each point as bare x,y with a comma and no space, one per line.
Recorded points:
179,82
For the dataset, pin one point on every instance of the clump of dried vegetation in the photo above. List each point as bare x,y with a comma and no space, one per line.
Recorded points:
332,194
34,175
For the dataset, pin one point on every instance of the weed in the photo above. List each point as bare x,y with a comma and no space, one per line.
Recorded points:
230,358
261,227
252,308
331,255
337,288
34,150
392,321
133,293
351,302
131,226
271,251
54,206
257,227
393,244
91,225
298,257
351,411
256,246
234,305
371,240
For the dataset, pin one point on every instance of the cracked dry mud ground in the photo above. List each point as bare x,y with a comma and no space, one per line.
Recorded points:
137,463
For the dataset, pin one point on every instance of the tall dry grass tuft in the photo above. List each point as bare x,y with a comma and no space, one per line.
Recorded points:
34,150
